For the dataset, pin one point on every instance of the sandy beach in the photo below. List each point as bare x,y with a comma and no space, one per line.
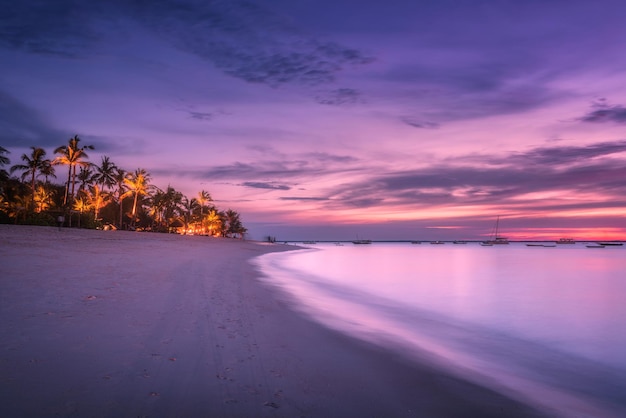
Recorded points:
126,324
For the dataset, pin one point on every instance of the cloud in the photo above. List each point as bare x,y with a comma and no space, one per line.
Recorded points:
22,126
324,157
265,185
507,181
242,39
61,27
557,156
585,170
204,116
339,97
310,65
419,124
603,112
271,172
303,198
248,41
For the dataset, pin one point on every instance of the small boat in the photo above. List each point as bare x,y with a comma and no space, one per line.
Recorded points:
594,246
459,242
362,241
437,242
566,241
497,239
541,245
611,244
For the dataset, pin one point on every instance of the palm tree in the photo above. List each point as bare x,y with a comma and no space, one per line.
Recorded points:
203,198
72,155
47,170
105,173
172,205
214,221
189,205
166,206
233,224
120,177
33,164
157,203
138,184
4,160
86,177
43,198
16,206
97,199
81,204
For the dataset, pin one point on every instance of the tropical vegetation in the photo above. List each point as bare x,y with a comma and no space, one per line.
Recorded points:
102,195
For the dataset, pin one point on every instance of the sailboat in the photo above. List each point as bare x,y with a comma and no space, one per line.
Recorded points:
496,239
361,241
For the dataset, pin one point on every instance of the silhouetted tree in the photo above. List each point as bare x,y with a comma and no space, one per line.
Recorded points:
32,165
72,155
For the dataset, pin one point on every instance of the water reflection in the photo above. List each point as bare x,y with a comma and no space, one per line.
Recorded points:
547,323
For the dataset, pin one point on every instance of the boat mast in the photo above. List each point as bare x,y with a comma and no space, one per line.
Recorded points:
497,224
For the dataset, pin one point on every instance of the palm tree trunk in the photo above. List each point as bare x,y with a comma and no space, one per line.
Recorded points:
73,181
121,211
97,206
32,186
134,208
67,185
71,200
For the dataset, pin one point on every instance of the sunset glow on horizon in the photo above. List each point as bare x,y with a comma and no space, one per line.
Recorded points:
328,120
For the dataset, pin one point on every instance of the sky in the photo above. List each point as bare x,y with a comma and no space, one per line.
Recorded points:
339,119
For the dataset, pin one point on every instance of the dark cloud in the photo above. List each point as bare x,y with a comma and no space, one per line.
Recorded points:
583,170
303,198
265,185
275,171
602,112
419,124
553,157
205,116
242,39
22,126
324,157
247,41
60,27
339,97
115,144
557,156
287,64
469,83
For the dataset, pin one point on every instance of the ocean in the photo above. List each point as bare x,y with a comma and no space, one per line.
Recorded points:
546,325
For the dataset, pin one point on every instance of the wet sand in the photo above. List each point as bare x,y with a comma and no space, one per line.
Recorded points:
127,324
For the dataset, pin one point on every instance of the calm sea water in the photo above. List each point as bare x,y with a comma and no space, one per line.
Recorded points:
547,325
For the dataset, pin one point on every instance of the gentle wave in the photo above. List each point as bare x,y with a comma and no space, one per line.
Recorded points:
540,372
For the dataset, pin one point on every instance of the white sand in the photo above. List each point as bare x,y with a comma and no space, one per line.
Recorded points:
124,324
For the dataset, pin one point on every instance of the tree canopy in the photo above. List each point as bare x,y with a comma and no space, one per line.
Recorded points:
103,196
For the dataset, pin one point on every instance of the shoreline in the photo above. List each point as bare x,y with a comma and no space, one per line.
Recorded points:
116,323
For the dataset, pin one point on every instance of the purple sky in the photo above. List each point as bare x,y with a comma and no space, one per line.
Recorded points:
331,119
